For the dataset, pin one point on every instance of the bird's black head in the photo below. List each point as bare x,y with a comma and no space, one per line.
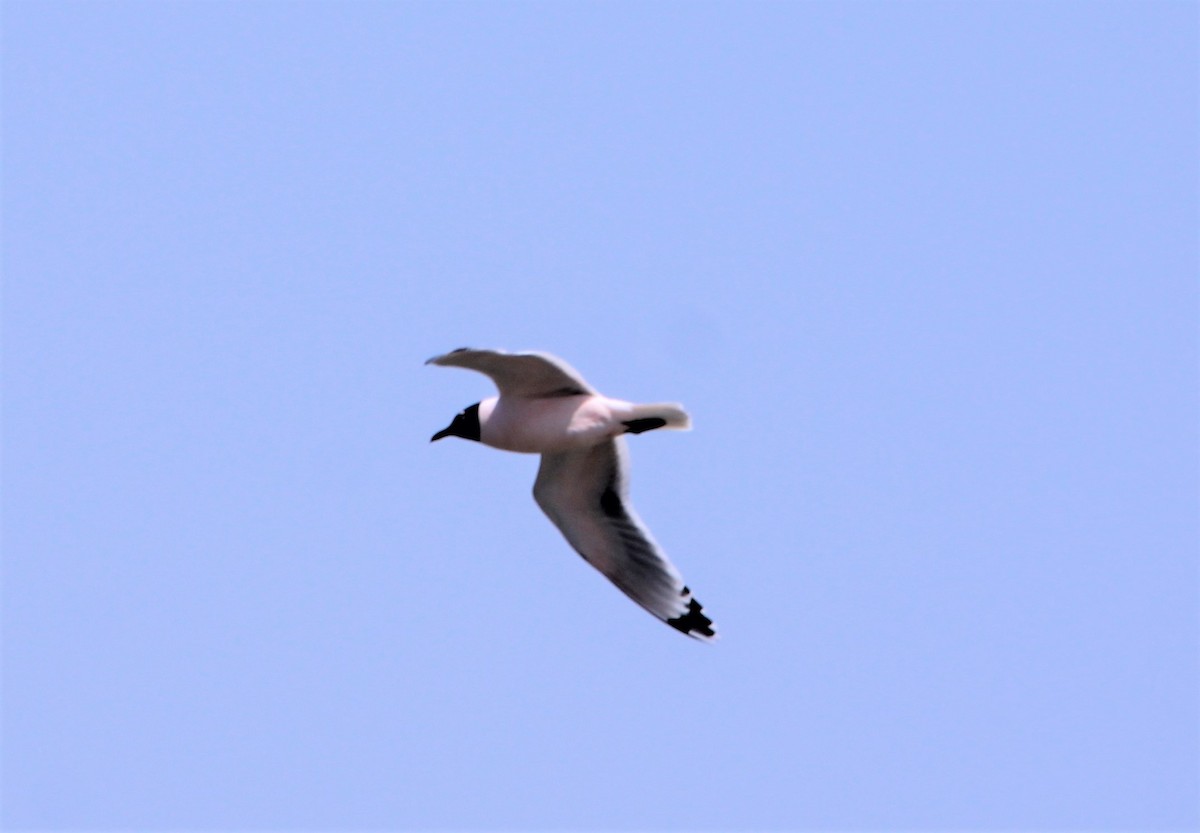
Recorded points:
465,425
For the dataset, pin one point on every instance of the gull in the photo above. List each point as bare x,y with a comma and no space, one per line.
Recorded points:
545,407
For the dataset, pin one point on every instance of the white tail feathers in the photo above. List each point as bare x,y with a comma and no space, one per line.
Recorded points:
674,414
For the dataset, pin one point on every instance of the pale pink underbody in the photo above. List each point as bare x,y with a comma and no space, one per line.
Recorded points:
560,423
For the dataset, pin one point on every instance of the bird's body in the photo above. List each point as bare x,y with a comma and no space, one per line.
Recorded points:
537,425
545,407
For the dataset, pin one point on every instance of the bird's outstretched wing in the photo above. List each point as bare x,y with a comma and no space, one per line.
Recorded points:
586,494
533,375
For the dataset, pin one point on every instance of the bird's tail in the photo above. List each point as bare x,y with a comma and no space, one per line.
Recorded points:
659,415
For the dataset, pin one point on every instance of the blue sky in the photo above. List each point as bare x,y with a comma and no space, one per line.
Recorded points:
924,274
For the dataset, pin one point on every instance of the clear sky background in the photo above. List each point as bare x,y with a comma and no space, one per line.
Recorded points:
925,275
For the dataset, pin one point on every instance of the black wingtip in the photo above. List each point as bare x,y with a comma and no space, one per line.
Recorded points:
693,622
639,426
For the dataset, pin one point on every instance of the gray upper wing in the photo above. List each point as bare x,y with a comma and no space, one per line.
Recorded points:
520,374
586,494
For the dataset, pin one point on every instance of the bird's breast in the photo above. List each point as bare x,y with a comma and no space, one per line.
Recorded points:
537,426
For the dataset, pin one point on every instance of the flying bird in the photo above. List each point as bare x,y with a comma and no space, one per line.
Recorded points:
545,407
